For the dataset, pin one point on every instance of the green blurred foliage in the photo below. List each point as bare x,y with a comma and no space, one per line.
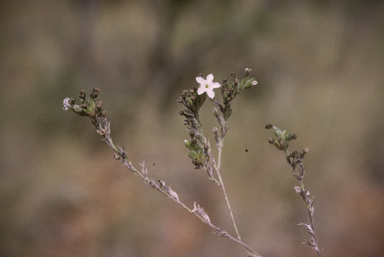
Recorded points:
319,65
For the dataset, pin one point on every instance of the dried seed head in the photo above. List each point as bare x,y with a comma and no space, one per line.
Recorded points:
99,104
92,114
268,126
101,132
94,93
173,194
123,154
82,94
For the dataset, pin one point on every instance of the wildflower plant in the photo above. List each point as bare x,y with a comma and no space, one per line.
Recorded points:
199,147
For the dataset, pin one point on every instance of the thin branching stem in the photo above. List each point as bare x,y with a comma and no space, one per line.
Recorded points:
217,168
120,154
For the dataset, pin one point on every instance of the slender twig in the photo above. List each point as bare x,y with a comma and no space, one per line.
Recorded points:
217,168
309,202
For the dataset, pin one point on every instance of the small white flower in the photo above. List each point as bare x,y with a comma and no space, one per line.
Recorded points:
207,86
66,104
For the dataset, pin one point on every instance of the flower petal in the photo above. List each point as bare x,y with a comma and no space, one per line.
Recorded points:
215,85
210,94
210,77
200,80
201,90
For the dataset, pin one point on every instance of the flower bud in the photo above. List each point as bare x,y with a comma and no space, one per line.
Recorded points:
77,109
67,103
288,136
297,190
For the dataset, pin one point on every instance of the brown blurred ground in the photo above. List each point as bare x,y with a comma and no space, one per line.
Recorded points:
320,70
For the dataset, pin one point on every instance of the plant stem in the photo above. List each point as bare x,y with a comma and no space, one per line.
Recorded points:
217,167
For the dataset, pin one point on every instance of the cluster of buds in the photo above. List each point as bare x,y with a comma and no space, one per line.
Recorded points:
198,151
192,101
91,107
230,90
282,137
198,148
295,158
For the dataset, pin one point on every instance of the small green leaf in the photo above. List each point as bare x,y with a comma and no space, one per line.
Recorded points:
228,113
278,133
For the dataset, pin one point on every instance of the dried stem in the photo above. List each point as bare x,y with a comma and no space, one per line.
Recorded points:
294,158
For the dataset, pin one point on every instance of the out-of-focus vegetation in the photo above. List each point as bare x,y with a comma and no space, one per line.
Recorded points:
319,65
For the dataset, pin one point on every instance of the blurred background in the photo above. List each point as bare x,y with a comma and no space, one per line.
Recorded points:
319,65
